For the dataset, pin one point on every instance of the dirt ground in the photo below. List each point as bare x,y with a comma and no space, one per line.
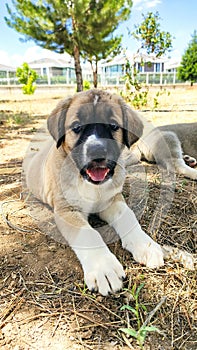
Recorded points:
43,301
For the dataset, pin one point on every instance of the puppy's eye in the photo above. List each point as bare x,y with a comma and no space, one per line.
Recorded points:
76,127
114,126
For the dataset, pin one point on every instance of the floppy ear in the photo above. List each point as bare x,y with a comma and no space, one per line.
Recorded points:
56,121
133,126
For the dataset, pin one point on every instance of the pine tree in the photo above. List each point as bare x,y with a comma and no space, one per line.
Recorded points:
188,68
73,26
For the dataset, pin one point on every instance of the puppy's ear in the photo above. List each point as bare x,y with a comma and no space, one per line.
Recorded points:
132,125
56,121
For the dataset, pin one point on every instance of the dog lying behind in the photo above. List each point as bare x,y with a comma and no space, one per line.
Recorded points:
81,170
171,146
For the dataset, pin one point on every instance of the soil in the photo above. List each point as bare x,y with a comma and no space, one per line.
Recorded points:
44,303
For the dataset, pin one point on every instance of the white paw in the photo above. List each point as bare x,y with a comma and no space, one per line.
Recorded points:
145,250
103,272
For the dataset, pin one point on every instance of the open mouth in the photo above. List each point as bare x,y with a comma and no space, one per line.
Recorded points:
98,171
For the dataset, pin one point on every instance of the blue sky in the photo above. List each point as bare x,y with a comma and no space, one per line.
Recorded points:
179,17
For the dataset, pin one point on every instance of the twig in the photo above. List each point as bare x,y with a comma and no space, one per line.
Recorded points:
35,317
127,342
153,312
8,222
13,305
56,325
104,325
128,299
87,318
98,304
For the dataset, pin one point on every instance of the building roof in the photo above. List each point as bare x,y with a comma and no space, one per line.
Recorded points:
4,68
173,63
122,58
50,62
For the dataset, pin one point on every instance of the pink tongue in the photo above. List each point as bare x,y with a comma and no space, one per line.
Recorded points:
97,174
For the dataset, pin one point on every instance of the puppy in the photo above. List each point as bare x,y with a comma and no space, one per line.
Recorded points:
169,146
81,170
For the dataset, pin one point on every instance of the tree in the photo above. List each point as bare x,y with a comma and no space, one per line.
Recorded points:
69,26
188,68
98,51
151,41
27,77
99,43
149,34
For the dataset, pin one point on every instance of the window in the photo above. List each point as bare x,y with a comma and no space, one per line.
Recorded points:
114,69
148,67
157,67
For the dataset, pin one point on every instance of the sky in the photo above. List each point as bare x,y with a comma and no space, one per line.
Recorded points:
179,17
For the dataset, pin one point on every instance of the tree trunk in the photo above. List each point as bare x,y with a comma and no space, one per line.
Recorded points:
95,73
95,82
78,70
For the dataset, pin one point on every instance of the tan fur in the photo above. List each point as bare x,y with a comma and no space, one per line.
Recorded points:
52,175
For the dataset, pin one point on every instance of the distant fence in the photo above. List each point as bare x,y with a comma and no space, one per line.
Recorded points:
144,78
104,80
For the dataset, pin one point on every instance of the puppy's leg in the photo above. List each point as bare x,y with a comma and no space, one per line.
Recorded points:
102,270
134,239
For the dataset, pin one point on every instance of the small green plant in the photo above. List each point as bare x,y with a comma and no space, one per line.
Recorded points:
83,289
134,92
27,77
86,85
15,120
142,329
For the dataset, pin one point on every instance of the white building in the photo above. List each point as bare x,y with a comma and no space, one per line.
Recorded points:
149,70
7,74
53,71
114,71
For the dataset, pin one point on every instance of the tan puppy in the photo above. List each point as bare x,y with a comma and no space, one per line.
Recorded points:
81,170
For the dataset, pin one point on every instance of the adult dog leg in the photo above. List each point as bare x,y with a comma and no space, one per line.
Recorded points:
166,150
184,169
134,239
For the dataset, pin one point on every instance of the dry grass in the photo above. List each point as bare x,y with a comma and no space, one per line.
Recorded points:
44,304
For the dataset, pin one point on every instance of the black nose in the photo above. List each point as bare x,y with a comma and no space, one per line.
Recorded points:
97,152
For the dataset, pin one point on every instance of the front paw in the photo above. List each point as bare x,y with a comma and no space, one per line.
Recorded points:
103,273
145,251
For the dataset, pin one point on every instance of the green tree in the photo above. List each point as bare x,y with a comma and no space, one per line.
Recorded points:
27,77
99,42
188,68
108,49
152,41
69,26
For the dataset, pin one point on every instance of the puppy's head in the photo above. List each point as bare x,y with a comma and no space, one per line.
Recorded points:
93,127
